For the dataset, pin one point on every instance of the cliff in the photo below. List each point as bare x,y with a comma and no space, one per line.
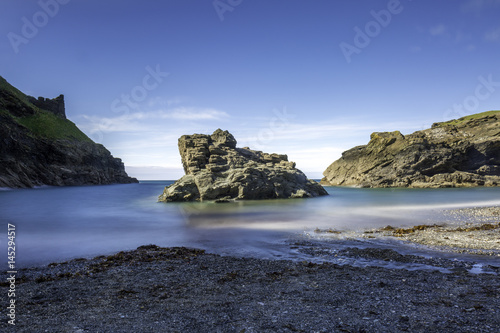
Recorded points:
39,146
217,170
458,153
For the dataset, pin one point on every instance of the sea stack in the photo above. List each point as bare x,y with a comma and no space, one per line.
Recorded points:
459,153
216,170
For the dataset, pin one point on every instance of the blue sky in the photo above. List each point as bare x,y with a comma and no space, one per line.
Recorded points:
306,78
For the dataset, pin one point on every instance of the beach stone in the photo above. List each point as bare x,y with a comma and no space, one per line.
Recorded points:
217,170
458,153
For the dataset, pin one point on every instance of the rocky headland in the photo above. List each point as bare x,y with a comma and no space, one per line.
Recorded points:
457,153
217,170
39,146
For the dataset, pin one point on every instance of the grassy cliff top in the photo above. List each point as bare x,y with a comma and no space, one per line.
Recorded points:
47,125
463,120
40,123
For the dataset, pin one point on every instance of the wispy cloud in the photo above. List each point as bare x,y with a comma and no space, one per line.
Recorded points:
332,136
163,102
154,172
478,6
492,35
471,47
194,114
415,49
145,121
147,139
438,30
190,113
452,36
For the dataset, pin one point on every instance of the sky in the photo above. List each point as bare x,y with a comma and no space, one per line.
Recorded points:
309,79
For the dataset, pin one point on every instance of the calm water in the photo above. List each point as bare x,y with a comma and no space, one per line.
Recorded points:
60,223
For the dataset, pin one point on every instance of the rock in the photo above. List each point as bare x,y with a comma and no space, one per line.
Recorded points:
458,153
40,146
217,170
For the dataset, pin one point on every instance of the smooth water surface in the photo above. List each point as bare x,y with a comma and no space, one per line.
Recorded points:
60,223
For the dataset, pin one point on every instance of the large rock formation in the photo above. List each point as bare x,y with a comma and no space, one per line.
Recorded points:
217,170
39,146
457,153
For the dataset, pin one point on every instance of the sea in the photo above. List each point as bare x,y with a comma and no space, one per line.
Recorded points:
54,224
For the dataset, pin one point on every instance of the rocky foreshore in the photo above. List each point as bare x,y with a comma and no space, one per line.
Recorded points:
154,289
474,231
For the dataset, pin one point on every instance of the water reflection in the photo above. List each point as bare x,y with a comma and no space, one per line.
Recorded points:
61,223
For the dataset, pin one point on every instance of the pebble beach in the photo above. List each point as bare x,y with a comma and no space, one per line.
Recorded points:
154,289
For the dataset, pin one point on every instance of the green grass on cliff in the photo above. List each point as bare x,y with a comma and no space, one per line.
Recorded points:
43,123
4,85
5,112
47,125
460,121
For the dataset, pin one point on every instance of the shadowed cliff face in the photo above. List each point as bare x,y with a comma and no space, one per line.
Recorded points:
459,153
41,147
217,170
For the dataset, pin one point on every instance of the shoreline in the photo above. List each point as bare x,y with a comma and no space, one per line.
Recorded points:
474,231
157,289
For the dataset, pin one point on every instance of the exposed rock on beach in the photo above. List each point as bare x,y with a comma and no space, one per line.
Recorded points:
217,170
476,231
458,153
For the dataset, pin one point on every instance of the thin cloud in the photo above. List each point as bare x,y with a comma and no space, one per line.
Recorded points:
471,47
163,102
94,124
415,49
478,6
303,136
196,114
142,121
190,113
438,30
450,35
492,36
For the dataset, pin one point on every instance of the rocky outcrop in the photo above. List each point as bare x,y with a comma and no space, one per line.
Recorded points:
458,153
41,147
217,170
